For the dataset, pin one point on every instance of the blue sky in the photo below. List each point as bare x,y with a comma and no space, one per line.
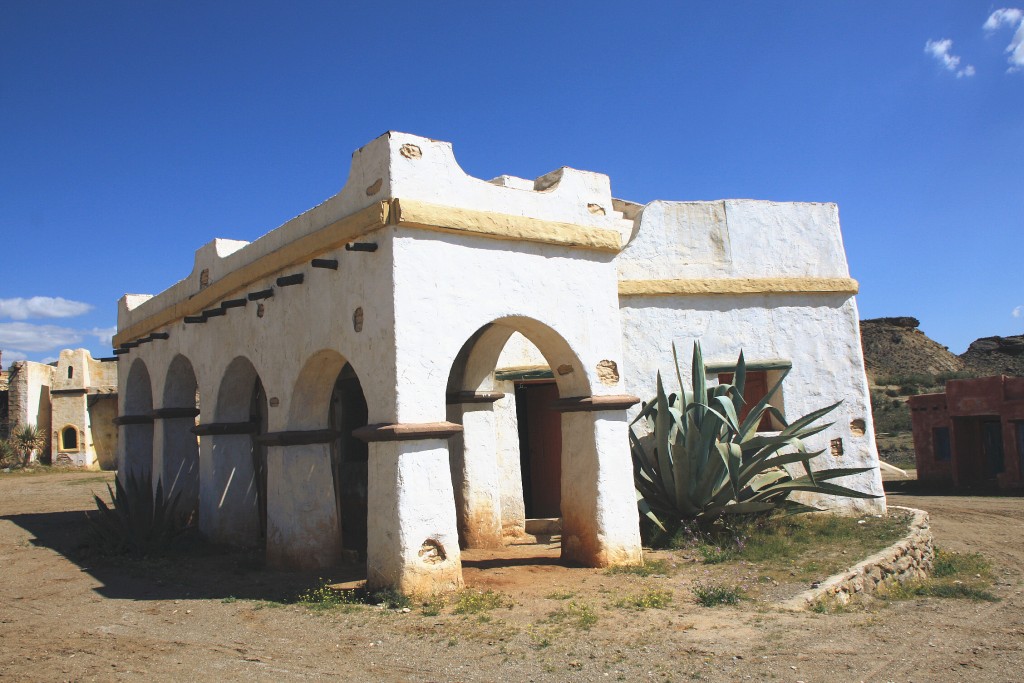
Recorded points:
133,132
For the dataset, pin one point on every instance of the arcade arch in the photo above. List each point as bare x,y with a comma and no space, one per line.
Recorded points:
136,423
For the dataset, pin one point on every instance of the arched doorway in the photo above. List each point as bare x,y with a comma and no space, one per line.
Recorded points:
136,422
233,480
319,471
507,465
349,459
179,452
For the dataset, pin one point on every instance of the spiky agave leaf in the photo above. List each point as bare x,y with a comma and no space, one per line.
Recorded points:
701,462
139,519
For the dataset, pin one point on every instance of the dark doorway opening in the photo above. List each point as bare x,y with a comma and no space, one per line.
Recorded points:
1020,449
349,457
540,448
992,445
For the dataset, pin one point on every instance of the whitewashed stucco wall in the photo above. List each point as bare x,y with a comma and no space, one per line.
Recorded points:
818,333
734,238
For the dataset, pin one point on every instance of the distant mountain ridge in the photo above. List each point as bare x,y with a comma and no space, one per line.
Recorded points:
895,347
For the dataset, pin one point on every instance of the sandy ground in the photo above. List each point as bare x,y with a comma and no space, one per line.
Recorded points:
216,618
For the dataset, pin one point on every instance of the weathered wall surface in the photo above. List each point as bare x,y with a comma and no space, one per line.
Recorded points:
103,431
929,412
29,396
753,244
446,269
456,255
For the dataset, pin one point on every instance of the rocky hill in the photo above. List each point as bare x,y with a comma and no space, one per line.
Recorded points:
996,356
895,347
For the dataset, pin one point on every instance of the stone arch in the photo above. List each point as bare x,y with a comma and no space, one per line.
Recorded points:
328,397
478,456
136,422
473,367
234,480
179,446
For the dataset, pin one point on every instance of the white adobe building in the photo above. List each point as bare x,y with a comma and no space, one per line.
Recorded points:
426,359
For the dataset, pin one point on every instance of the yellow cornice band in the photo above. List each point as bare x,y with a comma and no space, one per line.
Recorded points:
415,214
739,286
400,212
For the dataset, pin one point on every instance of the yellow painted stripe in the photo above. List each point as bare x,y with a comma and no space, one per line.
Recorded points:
401,212
739,286
501,226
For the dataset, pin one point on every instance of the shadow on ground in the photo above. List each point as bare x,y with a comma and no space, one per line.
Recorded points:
202,570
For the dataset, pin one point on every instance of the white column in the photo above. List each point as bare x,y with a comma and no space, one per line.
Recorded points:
600,521
413,542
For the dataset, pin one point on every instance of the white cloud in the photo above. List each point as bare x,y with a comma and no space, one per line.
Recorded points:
9,357
104,334
940,49
1018,312
1010,17
41,307
29,337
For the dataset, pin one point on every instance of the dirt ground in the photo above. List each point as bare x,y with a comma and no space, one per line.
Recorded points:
221,617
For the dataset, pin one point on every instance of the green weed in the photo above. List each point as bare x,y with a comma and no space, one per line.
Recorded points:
651,599
949,564
648,568
324,597
712,595
560,595
474,602
575,614
433,606
389,598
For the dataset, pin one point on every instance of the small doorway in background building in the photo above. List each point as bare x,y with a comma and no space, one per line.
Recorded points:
992,445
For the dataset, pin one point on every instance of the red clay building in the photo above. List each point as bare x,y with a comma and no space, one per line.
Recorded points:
973,434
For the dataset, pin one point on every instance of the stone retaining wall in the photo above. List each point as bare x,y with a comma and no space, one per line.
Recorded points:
909,558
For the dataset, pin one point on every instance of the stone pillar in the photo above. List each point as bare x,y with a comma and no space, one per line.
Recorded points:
228,498
476,477
303,529
600,521
412,543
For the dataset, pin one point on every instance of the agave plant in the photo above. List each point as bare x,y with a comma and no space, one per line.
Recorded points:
139,521
28,439
700,462
8,453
